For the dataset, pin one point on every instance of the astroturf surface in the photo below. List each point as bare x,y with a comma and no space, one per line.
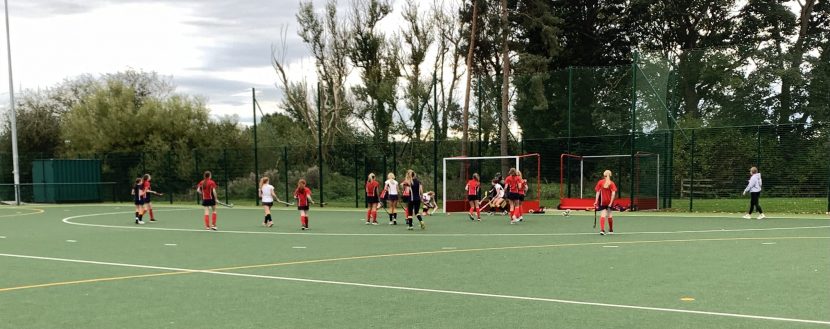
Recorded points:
89,266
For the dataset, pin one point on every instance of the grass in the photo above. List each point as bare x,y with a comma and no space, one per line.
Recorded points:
551,271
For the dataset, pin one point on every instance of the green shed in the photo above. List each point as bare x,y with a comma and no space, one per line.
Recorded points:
58,180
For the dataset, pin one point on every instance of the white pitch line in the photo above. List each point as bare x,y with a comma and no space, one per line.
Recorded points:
438,291
2,237
610,246
170,244
71,241
68,220
449,248
768,243
298,247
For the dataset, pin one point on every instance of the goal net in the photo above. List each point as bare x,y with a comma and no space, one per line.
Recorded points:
458,170
637,178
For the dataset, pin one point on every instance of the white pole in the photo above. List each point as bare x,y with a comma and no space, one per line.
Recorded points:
517,164
581,176
444,187
15,159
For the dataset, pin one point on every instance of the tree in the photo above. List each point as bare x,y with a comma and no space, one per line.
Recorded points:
417,37
377,61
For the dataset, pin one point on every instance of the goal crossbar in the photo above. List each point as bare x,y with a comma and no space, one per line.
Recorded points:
581,201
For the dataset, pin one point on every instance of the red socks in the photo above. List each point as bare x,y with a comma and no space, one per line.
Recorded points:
151,214
214,219
478,212
602,223
207,221
611,223
369,214
304,221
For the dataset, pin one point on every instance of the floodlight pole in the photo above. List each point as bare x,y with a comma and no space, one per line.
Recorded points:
13,116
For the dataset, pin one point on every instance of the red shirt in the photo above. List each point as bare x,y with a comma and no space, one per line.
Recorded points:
472,187
407,189
207,186
605,193
302,196
511,184
522,186
372,188
146,186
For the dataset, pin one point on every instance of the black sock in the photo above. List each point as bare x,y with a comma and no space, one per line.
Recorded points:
390,217
420,219
140,217
136,215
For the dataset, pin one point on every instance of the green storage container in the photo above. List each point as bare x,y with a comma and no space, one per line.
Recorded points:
57,180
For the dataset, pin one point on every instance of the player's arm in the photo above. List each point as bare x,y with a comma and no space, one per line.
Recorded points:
215,195
596,200
613,195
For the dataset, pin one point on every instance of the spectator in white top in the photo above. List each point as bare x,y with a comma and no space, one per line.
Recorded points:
754,189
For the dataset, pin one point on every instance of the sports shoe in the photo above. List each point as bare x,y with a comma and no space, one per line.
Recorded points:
513,221
207,228
303,228
471,217
423,225
762,216
136,221
410,228
140,222
374,223
270,224
394,222
478,219
213,227
601,232
368,223
611,232
390,222
747,216
152,219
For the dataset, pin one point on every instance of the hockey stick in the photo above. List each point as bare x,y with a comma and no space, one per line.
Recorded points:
228,205
595,217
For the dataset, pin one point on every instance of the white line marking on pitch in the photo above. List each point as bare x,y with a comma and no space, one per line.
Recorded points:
68,220
71,241
170,244
610,246
449,248
298,247
438,291
2,237
768,243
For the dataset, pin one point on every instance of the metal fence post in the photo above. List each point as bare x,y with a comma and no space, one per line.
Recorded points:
692,174
256,146
356,175
758,151
632,193
285,170
227,180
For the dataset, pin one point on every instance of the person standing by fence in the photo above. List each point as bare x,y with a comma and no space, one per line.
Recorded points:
754,189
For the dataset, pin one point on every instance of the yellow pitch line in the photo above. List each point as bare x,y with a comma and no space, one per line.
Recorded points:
65,283
434,252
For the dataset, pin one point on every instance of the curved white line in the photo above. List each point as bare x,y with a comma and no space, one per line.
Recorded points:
68,220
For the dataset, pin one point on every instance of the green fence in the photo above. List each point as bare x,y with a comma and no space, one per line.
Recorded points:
695,165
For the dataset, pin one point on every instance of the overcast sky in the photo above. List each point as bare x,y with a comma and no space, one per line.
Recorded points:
215,48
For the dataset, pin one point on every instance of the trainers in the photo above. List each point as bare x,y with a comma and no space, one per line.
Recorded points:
140,222
423,225
471,217
601,232
213,227
390,222
747,216
374,223
368,223
394,222
410,228
762,216
270,224
152,219
207,228
303,228
610,231
514,221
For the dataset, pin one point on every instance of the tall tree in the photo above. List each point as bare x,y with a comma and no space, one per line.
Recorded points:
377,60
417,38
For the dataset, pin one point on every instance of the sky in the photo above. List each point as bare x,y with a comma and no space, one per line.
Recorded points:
217,49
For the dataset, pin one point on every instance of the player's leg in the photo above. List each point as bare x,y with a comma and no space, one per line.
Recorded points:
610,216
602,215
207,217
478,210
213,219
416,205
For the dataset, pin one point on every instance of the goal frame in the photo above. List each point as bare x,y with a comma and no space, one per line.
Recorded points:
633,202
531,204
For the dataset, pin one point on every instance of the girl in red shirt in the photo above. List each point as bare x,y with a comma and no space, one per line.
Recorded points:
511,185
303,196
606,191
207,189
148,205
473,189
372,199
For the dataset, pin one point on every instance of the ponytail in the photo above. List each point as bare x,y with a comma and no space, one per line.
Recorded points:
607,182
205,181
263,181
